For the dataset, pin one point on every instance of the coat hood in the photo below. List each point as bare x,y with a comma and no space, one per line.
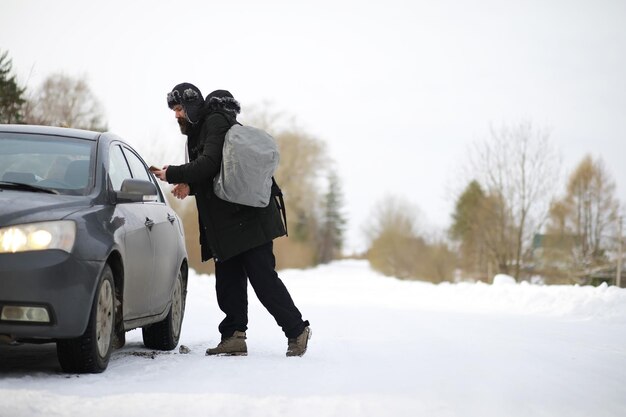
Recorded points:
222,100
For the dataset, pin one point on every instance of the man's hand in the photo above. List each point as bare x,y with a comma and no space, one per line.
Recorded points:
160,173
181,191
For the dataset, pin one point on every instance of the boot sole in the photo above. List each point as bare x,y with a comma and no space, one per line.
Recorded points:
228,354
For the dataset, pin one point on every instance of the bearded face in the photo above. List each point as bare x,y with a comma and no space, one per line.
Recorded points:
184,125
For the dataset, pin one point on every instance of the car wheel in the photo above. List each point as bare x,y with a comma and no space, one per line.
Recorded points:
164,335
90,352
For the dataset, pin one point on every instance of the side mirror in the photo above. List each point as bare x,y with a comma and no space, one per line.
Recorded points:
136,191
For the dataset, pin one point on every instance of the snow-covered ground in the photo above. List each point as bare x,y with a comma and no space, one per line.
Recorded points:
380,347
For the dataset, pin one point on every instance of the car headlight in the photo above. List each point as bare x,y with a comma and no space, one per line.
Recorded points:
38,236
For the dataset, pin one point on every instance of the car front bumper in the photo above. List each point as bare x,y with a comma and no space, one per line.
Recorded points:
50,280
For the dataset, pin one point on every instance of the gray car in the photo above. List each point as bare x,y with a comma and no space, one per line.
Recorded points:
89,246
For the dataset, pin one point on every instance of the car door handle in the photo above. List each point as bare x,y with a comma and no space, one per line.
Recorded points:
149,223
170,218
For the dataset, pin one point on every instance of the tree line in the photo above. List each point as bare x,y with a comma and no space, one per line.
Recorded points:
513,217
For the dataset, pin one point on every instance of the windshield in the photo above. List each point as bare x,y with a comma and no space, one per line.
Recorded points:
57,163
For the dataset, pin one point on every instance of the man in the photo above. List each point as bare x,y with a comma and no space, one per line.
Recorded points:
239,238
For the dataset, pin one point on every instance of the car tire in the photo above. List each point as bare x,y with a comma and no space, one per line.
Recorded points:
165,334
90,352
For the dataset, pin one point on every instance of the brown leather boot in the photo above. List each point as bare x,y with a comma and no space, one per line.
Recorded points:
231,346
297,345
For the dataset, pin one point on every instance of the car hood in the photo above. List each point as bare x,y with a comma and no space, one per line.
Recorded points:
17,207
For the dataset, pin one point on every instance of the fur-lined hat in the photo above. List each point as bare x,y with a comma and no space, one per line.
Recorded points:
188,96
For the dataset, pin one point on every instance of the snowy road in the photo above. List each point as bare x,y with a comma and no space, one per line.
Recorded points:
380,347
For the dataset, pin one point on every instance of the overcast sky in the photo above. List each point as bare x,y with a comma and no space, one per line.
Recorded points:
398,90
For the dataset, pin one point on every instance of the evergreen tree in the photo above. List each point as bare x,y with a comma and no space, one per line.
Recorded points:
333,222
468,207
471,227
11,100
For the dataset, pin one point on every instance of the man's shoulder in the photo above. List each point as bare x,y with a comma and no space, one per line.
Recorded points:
215,124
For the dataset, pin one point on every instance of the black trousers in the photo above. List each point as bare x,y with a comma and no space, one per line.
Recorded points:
231,285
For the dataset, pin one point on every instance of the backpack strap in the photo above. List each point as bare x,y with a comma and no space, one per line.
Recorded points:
278,194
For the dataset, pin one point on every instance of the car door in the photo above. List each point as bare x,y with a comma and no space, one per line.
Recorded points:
163,237
137,252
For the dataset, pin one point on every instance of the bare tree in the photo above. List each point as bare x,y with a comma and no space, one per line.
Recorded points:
392,234
399,249
585,219
591,197
302,165
67,102
519,169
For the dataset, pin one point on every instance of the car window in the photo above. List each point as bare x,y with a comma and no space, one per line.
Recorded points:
140,171
118,168
54,162
137,167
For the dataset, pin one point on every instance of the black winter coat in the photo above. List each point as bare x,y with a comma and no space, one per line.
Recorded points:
226,229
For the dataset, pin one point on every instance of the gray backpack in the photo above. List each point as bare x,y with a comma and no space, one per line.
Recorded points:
249,159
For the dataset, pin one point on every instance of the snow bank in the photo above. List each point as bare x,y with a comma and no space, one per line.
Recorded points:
367,287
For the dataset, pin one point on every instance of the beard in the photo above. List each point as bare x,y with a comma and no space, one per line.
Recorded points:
184,125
